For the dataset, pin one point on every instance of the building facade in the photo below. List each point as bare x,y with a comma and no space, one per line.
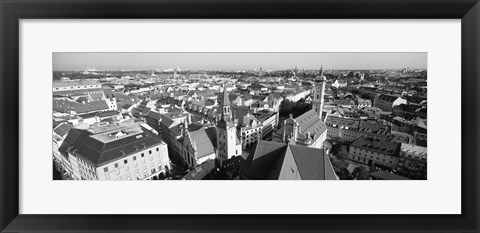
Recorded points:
115,152
373,152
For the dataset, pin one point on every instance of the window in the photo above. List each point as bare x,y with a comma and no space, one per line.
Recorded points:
125,161
116,165
134,158
157,149
143,155
105,169
150,152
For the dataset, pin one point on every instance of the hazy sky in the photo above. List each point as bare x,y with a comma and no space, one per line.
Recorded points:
237,61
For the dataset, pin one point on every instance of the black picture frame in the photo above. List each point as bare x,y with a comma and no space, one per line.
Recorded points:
12,11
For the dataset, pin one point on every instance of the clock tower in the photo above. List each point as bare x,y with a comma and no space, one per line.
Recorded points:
318,92
227,141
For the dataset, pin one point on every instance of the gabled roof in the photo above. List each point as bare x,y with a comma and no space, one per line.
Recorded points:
312,163
79,108
167,121
201,142
90,146
271,158
154,115
96,96
275,96
62,129
389,98
310,122
385,147
262,162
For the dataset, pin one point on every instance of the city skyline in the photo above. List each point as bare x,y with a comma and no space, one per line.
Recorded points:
73,61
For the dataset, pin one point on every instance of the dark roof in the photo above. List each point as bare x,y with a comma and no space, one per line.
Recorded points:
342,121
262,162
312,163
275,96
383,175
82,143
385,147
154,115
62,129
167,121
201,171
108,113
389,98
270,159
414,99
407,108
212,135
126,106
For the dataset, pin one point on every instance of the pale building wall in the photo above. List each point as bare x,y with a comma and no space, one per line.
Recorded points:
364,156
135,166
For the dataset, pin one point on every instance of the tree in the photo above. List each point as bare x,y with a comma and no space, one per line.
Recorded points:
288,107
56,173
360,173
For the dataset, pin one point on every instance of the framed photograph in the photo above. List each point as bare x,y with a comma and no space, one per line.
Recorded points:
244,116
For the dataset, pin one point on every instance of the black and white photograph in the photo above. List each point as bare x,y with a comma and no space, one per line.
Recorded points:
239,116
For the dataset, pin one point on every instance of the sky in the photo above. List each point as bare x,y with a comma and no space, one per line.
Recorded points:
237,61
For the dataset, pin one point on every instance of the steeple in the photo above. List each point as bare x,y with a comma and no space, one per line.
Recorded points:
225,105
225,101
318,93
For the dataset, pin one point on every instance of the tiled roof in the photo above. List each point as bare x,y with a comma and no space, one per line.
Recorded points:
84,82
201,142
87,144
312,163
62,129
167,121
310,122
414,99
154,115
383,175
108,113
341,121
91,106
96,96
389,98
247,120
381,146
271,157
201,171
262,162
66,106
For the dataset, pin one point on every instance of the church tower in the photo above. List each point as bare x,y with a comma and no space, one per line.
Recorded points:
318,93
226,131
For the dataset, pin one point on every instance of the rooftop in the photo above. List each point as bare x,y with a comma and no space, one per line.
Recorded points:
384,147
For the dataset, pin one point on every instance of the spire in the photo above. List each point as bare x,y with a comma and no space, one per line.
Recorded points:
225,105
225,102
321,71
